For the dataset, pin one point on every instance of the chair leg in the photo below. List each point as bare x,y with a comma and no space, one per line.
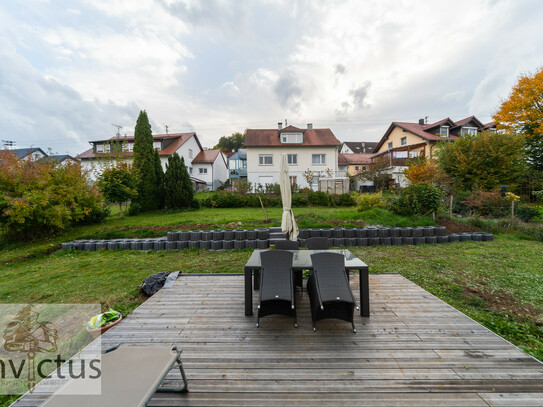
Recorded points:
354,329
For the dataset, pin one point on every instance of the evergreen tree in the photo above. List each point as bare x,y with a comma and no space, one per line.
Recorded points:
173,186
159,173
188,191
144,166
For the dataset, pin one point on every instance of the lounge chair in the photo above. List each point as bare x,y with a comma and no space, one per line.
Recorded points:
292,245
276,285
330,294
130,376
317,243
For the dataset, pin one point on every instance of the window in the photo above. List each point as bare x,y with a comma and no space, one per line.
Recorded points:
492,130
291,138
202,170
319,159
357,168
470,131
404,141
292,159
265,159
190,170
293,180
444,131
157,145
363,168
190,153
99,148
390,145
107,148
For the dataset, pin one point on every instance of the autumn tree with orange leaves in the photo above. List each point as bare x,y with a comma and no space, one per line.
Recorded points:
522,113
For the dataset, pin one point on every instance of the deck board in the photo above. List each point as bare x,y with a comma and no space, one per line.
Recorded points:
414,350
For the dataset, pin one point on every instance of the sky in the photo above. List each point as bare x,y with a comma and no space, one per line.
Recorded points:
71,70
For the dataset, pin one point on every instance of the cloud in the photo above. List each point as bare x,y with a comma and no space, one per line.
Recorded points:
340,69
289,91
360,95
43,112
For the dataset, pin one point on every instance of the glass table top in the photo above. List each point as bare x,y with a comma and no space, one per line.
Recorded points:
302,259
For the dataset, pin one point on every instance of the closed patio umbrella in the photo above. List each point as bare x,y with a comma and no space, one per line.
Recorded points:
288,223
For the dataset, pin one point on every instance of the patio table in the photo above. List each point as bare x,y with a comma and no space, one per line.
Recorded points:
302,261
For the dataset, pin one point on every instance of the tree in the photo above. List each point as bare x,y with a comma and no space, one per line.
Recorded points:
173,184
144,166
522,113
486,160
177,185
159,174
231,143
118,185
377,172
188,191
423,170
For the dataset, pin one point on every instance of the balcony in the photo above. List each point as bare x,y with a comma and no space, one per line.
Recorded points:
238,173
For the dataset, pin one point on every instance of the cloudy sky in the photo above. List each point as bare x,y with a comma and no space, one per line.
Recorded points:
69,69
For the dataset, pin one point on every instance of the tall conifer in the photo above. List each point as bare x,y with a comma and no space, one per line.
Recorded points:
144,166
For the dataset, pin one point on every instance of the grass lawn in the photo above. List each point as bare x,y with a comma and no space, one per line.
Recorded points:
499,283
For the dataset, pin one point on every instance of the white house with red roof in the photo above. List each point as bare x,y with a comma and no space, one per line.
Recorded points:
211,166
307,149
403,141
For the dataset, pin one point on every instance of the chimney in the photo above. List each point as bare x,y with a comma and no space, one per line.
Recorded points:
279,125
309,126
364,147
421,121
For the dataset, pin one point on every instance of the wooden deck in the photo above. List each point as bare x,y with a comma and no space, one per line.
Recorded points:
414,350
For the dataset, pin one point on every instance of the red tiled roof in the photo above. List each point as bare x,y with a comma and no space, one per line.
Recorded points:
489,125
291,128
179,140
206,156
270,138
416,129
341,160
357,158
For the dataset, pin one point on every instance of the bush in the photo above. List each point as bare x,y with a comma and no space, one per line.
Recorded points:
345,200
417,199
319,198
365,202
195,204
299,200
41,198
526,213
487,203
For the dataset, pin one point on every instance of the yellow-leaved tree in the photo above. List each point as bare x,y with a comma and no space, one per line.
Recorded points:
522,113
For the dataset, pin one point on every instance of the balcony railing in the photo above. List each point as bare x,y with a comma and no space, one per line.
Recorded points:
236,173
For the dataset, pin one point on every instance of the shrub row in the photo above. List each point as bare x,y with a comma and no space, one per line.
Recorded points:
224,199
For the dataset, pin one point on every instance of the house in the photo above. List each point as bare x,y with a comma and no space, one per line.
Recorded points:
63,159
357,147
354,163
211,167
186,145
310,151
237,164
31,153
403,141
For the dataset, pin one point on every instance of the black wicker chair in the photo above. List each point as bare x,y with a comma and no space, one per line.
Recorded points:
317,243
329,291
276,285
287,245
292,245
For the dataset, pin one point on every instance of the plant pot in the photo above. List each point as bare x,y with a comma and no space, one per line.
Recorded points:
96,332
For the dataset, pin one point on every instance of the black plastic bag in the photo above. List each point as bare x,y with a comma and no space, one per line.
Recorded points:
153,283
